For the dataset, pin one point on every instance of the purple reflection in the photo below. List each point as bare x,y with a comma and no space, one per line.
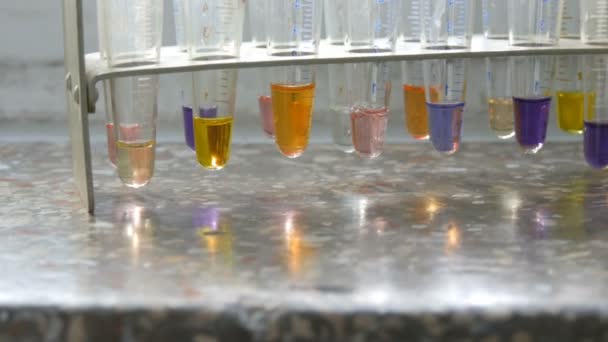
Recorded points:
208,113
206,218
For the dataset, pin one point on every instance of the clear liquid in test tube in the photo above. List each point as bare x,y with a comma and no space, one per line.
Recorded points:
409,26
495,23
257,22
339,107
294,27
371,25
179,18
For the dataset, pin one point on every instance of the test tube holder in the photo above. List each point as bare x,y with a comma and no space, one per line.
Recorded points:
83,72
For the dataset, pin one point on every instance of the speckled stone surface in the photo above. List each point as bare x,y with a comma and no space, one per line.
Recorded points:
488,245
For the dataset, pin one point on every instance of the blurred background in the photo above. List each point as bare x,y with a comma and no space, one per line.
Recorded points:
32,99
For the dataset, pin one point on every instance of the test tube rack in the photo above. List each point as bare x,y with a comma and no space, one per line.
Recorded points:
83,72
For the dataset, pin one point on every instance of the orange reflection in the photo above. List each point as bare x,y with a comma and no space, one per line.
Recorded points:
453,238
299,252
426,209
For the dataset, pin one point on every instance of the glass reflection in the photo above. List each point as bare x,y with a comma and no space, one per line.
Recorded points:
511,203
298,251
138,227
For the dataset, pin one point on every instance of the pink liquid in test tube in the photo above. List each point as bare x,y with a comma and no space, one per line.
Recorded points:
266,115
368,130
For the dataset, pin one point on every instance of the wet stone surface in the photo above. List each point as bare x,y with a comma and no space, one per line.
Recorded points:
487,245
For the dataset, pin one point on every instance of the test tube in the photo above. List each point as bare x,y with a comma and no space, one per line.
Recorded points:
186,100
371,25
499,96
111,138
594,22
294,27
339,108
531,88
414,100
534,22
370,88
215,98
179,18
215,28
293,93
134,106
257,22
265,102
596,111
446,24
569,93
335,21
495,23
133,31
409,28
571,28
445,82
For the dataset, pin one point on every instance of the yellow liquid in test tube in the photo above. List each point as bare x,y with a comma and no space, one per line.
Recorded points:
212,138
292,106
570,110
135,162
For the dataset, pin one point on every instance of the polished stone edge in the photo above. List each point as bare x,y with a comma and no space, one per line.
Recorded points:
238,324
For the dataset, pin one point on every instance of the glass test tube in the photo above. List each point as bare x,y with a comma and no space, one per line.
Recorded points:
596,111
134,106
335,21
179,18
495,23
571,16
215,101
594,21
531,88
370,88
445,82
447,24
569,93
186,101
214,28
339,107
265,102
409,27
294,27
111,138
257,22
293,93
371,25
499,96
133,31
534,22
414,100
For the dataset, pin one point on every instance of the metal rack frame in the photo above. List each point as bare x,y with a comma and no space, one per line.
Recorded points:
83,72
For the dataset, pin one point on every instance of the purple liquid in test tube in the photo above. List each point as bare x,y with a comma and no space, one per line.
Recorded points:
531,119
596,144
445,123
188,128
